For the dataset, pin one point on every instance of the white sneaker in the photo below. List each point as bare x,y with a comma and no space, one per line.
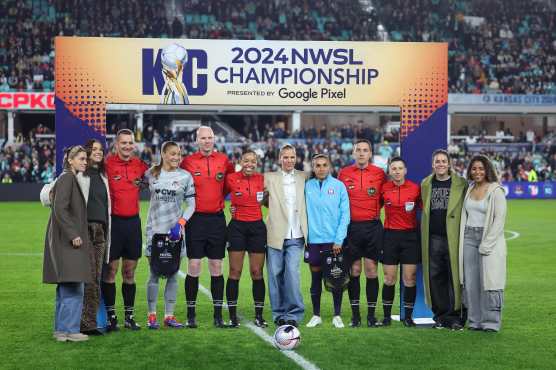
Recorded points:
60,336
337,322
315,320
76,337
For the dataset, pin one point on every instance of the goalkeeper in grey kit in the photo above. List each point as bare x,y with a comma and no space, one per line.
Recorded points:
171,187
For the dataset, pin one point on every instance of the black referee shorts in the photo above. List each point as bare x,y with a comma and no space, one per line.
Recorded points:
205,235
364,240
247,236
400,246
125,238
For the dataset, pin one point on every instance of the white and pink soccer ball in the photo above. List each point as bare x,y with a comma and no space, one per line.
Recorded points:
287,337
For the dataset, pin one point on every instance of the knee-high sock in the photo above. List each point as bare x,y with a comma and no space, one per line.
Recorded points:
170,294
217,290
409,294
191,289
337,298
152,292
354,291
258,296
372,296
128,291
232,292
388,294
109,296
316,291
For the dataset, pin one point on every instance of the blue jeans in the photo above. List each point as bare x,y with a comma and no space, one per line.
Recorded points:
284,286
69,305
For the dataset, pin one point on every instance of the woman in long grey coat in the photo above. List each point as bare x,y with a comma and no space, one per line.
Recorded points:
482,252
66,258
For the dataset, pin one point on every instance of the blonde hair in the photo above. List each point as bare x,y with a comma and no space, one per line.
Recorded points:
71,153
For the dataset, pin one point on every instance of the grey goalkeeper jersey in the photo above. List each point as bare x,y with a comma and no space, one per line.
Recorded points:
169,193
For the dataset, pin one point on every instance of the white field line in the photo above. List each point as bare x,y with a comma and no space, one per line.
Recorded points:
513,234
294,356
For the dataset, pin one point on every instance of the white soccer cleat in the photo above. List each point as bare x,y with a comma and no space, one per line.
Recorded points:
315,320
337,322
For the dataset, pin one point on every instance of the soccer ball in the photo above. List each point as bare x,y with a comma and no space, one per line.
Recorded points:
173,56
287,337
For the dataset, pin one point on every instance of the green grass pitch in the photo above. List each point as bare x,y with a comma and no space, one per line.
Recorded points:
527,339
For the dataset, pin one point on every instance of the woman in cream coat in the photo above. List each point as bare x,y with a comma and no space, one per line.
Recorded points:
482,252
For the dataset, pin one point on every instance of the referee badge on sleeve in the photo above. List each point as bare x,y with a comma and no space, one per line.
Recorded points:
260,196
371,191
219,176
409,206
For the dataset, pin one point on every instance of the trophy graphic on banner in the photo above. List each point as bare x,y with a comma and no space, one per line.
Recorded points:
174,57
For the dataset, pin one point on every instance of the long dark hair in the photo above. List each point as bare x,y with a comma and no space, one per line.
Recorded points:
89,149
155,170
490,172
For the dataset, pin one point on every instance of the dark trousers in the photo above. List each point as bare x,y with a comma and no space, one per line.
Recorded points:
441,286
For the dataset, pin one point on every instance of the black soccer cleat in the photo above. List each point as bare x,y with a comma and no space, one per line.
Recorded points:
279,322
131,324
191,323
355,322
456,326
372,322
112,324
260,322
387,321
234,323
438,325
292,322
219,323
409,323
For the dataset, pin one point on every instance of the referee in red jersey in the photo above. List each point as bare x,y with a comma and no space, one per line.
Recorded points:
246,232
206,230
401,243
125,173
363,182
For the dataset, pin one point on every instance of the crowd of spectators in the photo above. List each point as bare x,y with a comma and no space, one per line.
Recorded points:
504,46
31,158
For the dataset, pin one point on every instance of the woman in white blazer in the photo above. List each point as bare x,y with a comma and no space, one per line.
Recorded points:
482,252
94,186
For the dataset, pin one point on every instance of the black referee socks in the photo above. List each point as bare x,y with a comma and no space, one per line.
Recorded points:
354,291
232,292
191,289
258,296
109,296
128,291
388,294
217,290
409,294
372,296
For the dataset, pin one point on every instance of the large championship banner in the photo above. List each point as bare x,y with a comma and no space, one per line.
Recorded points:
93,72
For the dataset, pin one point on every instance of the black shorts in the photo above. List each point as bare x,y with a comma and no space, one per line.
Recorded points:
247,236
125,238
364,239
400,247
314,253
205,236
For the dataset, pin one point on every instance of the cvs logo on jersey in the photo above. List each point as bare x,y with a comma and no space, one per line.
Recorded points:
196,84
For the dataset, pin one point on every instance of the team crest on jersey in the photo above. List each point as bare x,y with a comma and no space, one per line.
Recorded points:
409,206
330,191
219,176
260,196
371,191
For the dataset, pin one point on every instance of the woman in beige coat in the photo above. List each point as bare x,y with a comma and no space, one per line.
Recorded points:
66,258
482,252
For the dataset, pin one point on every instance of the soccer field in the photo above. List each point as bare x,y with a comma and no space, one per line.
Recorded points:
27,306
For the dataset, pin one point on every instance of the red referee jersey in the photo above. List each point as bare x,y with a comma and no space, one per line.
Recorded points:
400,205
124,182
246,192
364,187
209,175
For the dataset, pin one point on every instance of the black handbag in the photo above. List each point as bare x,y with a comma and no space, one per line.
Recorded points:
335,271
165,255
